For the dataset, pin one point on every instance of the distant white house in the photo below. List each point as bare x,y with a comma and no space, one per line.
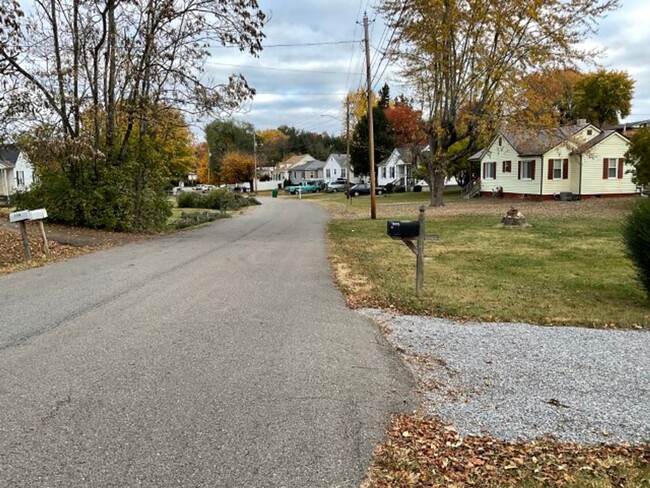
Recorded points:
579,160
336,167
397,169
16,172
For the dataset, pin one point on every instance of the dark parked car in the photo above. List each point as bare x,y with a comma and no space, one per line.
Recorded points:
364,189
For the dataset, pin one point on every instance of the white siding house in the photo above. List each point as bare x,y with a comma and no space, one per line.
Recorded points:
580,159
336,167
16,172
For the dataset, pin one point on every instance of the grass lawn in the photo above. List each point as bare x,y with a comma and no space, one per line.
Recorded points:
568,267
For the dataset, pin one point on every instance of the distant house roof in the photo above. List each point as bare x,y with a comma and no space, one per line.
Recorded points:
479,155
314,165
538,142
631,125
296,159
339,158
8,157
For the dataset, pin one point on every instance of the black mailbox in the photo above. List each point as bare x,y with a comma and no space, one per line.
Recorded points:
396,228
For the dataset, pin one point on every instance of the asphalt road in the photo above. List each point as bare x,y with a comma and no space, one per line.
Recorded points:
220,356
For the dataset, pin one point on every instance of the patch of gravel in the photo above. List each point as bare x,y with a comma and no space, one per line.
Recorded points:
521,381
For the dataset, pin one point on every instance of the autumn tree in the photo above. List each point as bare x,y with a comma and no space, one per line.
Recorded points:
113,71
545,99
238,167
604,97
358,101
465,59
224,136
205,175
274,145
638,156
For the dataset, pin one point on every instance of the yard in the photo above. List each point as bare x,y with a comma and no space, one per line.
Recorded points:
508,383
567,268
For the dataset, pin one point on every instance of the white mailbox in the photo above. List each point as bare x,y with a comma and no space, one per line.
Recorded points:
19,216
38,214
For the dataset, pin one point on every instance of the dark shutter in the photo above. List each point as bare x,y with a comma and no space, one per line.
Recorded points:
551,165
605,168
532,170
518,170
621,161
565,169
484,170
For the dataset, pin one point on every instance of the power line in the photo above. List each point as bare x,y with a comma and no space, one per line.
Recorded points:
307,44
270,68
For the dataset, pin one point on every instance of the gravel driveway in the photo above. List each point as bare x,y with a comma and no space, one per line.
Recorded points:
520,381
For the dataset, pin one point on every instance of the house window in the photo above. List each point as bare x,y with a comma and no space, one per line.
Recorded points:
612,168
383,172
392,171
342,172
489,170
328,173
506,167
589,132
20,178
527,170
500,141
557,169
334,171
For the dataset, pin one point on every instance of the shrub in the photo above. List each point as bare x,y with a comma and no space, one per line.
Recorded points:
389,187
189,200
196,218
417,188
636,235
220,199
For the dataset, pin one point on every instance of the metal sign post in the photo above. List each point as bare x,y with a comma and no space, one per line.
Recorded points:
408,232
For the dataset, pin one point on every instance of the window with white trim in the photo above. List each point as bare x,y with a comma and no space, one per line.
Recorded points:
328,173
383,172
612,168
527,169
489,170
342,172
392,171
20,178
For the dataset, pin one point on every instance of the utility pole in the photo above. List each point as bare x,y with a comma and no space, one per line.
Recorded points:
347,153
254,189
371,132
208,146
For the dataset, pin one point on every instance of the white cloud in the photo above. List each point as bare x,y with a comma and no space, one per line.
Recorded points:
299,98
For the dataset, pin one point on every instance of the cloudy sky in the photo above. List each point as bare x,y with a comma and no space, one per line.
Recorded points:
303,86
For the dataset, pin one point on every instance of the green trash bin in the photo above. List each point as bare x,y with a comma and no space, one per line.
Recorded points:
274,193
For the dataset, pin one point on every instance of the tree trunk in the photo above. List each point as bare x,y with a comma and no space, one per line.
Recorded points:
436,185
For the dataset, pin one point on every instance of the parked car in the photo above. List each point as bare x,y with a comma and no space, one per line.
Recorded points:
335,186
364,189
303,187
205,188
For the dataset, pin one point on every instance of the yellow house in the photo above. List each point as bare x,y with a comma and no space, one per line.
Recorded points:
565,163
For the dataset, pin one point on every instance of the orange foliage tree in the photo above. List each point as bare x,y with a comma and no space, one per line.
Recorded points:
237,167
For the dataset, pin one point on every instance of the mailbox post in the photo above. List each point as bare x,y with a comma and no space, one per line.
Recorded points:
408,232
21,218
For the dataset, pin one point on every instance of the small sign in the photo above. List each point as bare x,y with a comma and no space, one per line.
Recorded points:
19,216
